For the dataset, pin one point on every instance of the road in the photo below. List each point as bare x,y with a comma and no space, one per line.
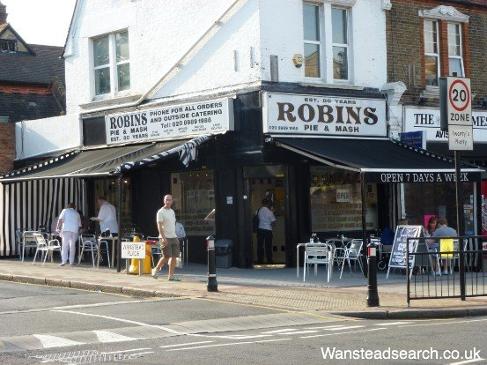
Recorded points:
42,325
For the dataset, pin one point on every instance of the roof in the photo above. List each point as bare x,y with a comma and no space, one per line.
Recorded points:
379,160
42,67
29,106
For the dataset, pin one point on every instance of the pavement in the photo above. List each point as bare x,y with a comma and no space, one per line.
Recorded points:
277,288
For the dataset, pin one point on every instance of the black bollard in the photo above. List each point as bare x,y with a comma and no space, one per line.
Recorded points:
212,283
373,295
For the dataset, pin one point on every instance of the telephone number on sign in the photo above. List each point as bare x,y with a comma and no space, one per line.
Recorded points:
282,128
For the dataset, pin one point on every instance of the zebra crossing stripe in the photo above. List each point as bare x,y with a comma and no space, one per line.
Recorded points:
48,341
108,337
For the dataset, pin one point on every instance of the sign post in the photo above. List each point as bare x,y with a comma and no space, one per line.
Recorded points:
456,117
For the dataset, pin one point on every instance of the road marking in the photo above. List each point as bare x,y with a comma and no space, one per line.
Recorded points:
297,332
108,337
467,361
344,328
124,351
185,344
48,341
342,333
443,323
122,320
323,327
279,331
391,323
229,344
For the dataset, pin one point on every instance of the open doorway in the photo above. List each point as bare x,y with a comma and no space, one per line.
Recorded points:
269,182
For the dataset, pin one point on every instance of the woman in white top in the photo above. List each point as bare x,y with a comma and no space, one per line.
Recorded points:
68,225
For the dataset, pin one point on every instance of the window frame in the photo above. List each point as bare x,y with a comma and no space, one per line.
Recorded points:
112,65
344,45
460,57
438,50
319,43
9,43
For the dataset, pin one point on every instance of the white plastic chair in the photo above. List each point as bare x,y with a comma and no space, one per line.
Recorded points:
352,253
28,241
46,247
319,255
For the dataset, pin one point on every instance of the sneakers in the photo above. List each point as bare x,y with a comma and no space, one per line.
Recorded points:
62,264
174,279
154,272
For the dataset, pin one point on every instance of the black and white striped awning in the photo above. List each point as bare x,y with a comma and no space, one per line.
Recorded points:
107,161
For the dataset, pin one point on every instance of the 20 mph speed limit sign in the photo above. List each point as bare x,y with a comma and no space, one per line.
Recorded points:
456,112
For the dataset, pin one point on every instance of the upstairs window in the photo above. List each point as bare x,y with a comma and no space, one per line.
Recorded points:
312,40
8,45
111,63
431,52
455,59
339,20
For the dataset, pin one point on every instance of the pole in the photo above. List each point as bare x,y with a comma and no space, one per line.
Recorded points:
364,214
373,295
119,216
460,221
212,283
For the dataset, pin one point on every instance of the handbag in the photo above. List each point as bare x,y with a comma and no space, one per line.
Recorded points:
255,221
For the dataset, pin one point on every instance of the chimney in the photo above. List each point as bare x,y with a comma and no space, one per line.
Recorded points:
3,13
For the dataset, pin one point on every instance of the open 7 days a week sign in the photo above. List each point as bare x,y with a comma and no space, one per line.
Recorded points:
323,115
166,122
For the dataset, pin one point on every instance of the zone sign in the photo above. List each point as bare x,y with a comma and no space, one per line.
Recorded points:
459,101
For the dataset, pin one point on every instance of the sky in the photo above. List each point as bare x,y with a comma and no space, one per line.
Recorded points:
40,21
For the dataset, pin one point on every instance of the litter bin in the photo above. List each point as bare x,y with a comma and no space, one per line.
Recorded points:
223,253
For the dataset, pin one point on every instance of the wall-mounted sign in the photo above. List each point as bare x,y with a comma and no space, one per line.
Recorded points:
174,121
344,195
428,120
320,115
415,139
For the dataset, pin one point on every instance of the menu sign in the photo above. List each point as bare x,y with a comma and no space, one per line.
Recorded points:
320,115
400,245
169,122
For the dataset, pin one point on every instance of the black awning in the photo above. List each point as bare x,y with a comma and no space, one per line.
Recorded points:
106,161
477,156
380,160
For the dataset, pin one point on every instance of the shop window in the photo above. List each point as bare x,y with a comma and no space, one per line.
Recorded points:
455,59
340,43
111,63
194,198
336,201
312,39
431,52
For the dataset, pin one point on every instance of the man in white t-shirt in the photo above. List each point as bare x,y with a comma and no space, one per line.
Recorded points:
166,225
264,232
107,216
68,225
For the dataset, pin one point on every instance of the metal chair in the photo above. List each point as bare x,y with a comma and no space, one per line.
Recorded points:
352,253
88,243
455,260
155,249
46,247
319,255
28,241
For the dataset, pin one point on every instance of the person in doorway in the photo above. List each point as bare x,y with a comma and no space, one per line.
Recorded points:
264,232
444,230
68,226
166,225
107,217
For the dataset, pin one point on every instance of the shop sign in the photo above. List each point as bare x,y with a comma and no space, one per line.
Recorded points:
428,120
133,250
320,115
169,122
343,195
420,177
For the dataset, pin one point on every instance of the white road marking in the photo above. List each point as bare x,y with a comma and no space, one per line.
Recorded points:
279,331
48,341
108,337
467,361
323,327
122,320
228,344
344,328
243,337
185,344
342,333
124,351
297,332
391,323
443,323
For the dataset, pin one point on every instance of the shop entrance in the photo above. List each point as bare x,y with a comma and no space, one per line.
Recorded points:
269,182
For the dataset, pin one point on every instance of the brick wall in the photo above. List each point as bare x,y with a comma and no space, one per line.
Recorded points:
7,146
405,47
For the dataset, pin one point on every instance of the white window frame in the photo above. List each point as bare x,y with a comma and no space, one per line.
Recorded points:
319,43
461,48
344,45
429,54
112,65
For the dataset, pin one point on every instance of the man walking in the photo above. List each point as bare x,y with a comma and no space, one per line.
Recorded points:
166,225
68,225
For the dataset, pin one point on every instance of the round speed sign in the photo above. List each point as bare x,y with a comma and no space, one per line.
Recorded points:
459,95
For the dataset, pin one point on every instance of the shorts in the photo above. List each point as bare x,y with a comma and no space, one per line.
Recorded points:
171,249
